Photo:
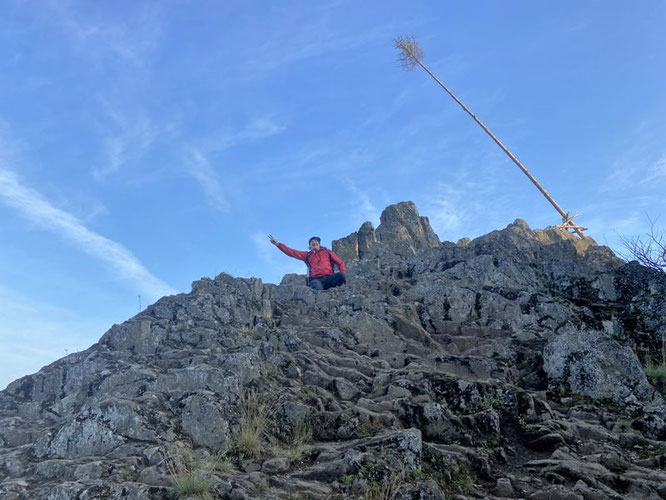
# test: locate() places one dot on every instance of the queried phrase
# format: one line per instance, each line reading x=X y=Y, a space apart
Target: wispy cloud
x=34 y=207
x=288 y=48
x=445 y=209
x=280 y=263
x=640 y=161
x=362 y=208
x=126 y=141
x=258 y=128
x=199 y=167
x=606 y=223
x=656 y=171
x=265 y=249
x=130 y=41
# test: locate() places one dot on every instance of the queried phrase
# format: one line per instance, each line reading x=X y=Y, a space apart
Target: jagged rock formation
x=509 y=366
x=401 y=231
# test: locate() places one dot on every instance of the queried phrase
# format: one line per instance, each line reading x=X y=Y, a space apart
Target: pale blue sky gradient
x=144 y=145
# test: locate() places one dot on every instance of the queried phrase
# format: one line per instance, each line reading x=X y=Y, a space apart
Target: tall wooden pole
x=412 y=54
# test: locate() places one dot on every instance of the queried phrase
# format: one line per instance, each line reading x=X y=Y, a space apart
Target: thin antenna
x=139 y=302
x=411 y=54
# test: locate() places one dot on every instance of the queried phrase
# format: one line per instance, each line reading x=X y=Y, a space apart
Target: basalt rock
x=507 y=366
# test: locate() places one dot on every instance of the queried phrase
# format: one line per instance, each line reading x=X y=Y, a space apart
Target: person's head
x=314 y=243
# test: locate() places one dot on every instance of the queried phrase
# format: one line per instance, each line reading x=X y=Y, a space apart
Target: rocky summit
x=508 y=366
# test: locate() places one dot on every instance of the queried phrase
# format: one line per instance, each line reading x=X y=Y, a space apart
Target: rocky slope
x=509 y=366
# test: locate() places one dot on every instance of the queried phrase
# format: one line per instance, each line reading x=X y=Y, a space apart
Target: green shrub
x=296 y=442
x=186 y=474
x=193 y=484
x=370 y=427
x=461 y=480
x=656 y=374
x=387 y=489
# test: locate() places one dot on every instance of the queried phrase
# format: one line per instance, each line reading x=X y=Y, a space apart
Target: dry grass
x=388 y=488
x=187 y=477
x=255 y=413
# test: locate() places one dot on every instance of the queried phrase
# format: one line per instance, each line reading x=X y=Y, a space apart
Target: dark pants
x=326 y=282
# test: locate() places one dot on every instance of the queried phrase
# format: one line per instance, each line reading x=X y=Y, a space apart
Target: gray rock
x=438 y=366
x=275 y=466
x=204 y=422
x=504 y=488
x=595 y=365
x=556 y=493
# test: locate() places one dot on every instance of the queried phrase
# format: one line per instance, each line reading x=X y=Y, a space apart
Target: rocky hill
x=509 y=366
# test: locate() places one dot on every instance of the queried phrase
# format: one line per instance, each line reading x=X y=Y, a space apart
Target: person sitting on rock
x=320 y=262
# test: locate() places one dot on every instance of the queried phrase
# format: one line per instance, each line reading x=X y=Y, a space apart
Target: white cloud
x=281 y=48
x=201 y=170
x=445 y=209
x=638 y=161
x=34 y=207
x=199 y=166
x=94 y=35
x=656 y=171
x=361 y=207
x=129 y=139
x=258 y=128
x=264 y=247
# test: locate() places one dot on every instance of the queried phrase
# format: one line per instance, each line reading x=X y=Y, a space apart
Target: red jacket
x=320 y=264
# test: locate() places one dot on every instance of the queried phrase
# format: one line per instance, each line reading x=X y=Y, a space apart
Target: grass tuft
x=187 y=477
x=248 y=443
x=388 y=488
x=656 y=374
x=193 y=485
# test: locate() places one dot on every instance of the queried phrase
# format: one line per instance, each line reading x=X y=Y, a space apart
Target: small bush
x=461 y=480
x=193 y=484
x=370 y=427
x=656 y=374
x=624 y=424
x=295 y=448
x=490 y=401
x=187 y=477
x=387 y=489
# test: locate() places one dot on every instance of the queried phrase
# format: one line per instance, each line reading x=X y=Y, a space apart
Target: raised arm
x=296 y=254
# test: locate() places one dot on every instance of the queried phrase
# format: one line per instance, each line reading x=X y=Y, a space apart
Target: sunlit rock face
x=401 y=231
x=511 y=366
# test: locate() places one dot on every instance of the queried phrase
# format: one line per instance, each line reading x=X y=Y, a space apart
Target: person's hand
x=272 y=240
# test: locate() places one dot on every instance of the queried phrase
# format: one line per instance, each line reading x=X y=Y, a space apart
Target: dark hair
x=314 y=238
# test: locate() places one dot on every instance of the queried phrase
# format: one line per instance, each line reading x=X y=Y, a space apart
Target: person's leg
x=333 y=280
x=316 y=284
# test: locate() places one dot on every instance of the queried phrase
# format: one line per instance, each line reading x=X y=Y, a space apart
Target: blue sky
x=144 y=145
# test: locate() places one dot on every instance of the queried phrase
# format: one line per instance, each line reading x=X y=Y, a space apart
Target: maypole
x=411 y=54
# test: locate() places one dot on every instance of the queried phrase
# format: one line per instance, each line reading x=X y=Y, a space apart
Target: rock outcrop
x=401 y=231
x=509 y=366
